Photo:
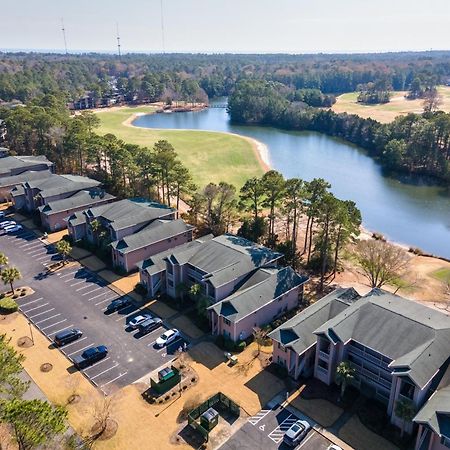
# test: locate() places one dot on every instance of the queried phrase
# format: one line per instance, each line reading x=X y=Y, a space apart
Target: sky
x=218 y=26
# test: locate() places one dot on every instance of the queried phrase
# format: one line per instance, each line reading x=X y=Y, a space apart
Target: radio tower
x=162 y=28
x=118 y=41
x=64 y=34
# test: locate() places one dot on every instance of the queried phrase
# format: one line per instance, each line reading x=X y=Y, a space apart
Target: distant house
x=7 y=184
x=117 y=220
x=34 y=193
x=15 y=165
x=265 y=295
x=218 y=265
x=160 y=235
x=54 y=214
x=398 y=348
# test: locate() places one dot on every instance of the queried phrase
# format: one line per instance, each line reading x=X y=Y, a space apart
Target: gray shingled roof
x=9 y=163
x=157 y=263
x=157 y=231
x=81 y=199
x=436 y=412
x=28 y=175
x=125 y=213
x=228 y=257
x=298 y=332
x=76 y=218
x=261 y=288
x=413 y=335
x=61 y=184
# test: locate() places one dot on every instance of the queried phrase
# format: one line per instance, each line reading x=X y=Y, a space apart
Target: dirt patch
x=57 y=236
x=79 y=253
x=46 y=367
x=186 y=326
x=5 y=319
x=93 y=263
x=161 y=309
x=103 y=433
x=24 y=342
x=322 y=411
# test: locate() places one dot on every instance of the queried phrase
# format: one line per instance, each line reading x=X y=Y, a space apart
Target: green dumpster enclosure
x=209 y=419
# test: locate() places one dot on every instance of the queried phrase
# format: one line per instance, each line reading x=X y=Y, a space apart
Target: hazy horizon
x=227 y=26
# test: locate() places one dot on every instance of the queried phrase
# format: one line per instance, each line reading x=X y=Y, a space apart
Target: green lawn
x=210 y=156
x=387 y=112
x=442 y=275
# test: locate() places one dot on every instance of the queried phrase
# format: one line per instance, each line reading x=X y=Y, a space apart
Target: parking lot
x=75 y=297
x=266 y=430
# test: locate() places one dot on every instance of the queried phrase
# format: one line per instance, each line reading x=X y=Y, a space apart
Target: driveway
x=77 y=297
x=266 y=430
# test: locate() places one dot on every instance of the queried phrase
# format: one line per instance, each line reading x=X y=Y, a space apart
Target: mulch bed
x=107 y=433
x=46 y=367
x=24 y=342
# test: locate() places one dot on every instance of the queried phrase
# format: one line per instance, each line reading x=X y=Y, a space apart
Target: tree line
x=25 y=76
x=413 y=143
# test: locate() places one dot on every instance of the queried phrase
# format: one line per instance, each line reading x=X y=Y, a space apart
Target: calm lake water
x=404 y=209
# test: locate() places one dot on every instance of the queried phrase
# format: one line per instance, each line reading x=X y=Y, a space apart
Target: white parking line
x=40 y=314
x=48 y=318
x=151 y=343
x=311 y=434
x=107 y=370
x=93 y=290
x=97 y=363
x=277 y=434
x=53 y=324
x=36 y=251
x=80 y=349
x=36 y=307
x=79 y=282
x=84 y=287
x=33 y=301
x=99 y=295
x=70 y=273
x=57 y=331
x=30 y=244
x=114 y=379
x=259 y=416
x=109 y=299
x=41 y=258
x=74 y=342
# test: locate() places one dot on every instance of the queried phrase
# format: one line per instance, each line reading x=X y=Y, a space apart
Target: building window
x=226 y=321
x=170 y=268
x=171 y=283
x=322 y=364
x=407 y=389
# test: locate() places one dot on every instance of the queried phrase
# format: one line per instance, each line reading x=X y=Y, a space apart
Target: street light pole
x=31 y=332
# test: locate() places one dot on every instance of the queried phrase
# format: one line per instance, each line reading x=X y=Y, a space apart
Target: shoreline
x=260 y=150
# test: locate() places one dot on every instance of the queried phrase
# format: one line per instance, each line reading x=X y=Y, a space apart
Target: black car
x=117 y=304
x=149 y=325
x=66 y=336
x=90 y=356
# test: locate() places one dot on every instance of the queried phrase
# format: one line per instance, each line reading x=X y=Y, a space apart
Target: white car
x=334 y=447
x=6 y=223
x=296 y=433
x=134 y=323
x=13 y=228
x=168 y=337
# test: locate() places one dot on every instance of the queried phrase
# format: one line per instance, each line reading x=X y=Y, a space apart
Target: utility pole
x=118 y=40
x=64 y=34
x=162 y=28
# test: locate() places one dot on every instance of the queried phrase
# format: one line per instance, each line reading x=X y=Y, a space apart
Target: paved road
x=265 y=430
x=77 y=297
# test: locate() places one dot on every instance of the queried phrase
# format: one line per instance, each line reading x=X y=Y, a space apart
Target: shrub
x=140 y=289
x=378 y=237
x=8 y=305
x=240 y=347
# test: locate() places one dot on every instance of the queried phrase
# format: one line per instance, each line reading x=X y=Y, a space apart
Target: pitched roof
x=157 y=263
x=12 y=163
x=77 y=218
x=60 y=184
x=28 y=175
x=128 y=212
x=78 y=200
x=414 y=336
x=227 y=257
x=157 y=231
x=260 y=289
x=298 y=332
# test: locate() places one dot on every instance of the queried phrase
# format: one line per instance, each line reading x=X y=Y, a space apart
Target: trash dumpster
x=209 y=419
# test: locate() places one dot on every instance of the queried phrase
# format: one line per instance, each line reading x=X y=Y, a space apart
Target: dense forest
x=413 y=143
x=24 y=76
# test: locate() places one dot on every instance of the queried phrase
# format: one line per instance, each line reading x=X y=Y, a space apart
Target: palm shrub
x=8 y=305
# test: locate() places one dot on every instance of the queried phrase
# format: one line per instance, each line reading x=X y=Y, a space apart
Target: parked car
x=167 y=337
x=296 y=433
x=6 y=223
x=90 y=356
x=117 y=304
x=66 y=336
x=334 y=447
x=150 y=325
x=13 y=228
x=134 y=323
x=2 y=214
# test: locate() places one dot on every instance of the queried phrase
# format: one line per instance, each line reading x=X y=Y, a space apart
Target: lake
x=405 y=209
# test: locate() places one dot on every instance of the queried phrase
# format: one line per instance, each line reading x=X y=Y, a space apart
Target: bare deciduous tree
x=382 y=263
